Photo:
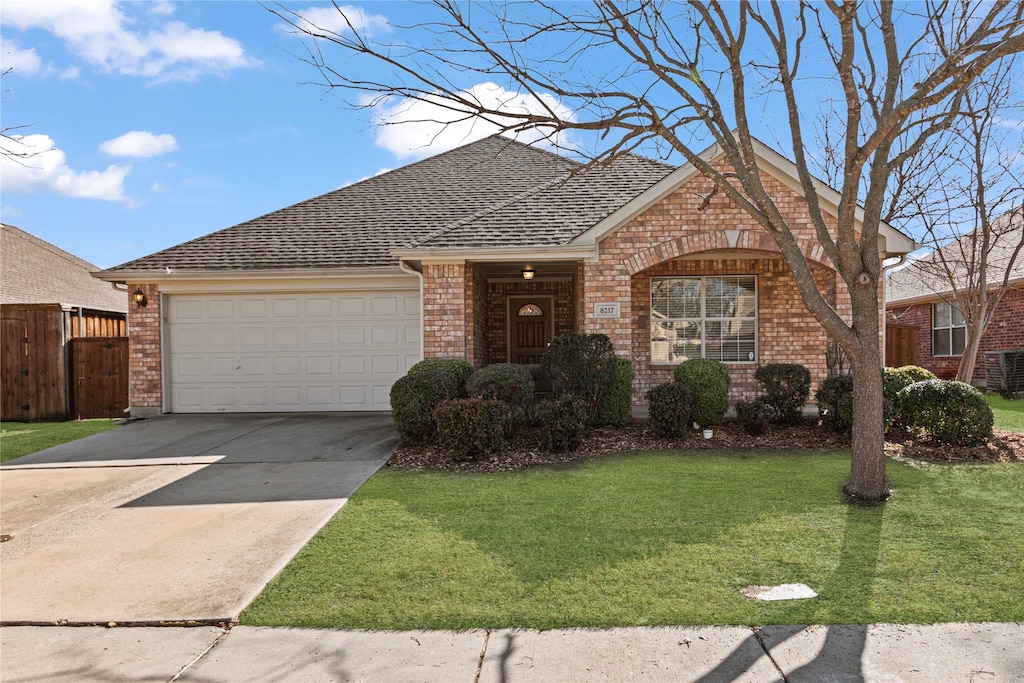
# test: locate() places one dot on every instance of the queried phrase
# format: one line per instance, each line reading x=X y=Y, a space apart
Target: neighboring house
x=482 y=253
x=924 y=325
x=48 y=298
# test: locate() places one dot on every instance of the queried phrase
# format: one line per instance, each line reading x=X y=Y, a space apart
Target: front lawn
x=1009 y=414
x=660 y=538
x=21 y=438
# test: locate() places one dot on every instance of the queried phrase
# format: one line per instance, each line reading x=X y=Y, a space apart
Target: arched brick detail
x=716 y=240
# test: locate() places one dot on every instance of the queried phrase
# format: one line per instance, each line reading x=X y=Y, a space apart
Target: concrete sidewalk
x=993 y=653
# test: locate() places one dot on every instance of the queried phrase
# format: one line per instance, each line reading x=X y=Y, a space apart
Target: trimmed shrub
x=541 y=381
x=471 y=428
x=894 y=380
x=506 y=382
x=786 y=387
x=835 y=403
x=581 y=365
x=414 y=398
x=563 y=423
x=671 y=409
x=461 y=369
x=947 y=410
x=617 y=397
x=753 y=416
x=708 y=382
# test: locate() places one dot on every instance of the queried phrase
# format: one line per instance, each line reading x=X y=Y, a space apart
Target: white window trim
x=949 y=329
x=703 y=317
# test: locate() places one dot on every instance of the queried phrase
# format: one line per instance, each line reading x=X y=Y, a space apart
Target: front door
x=530 y=328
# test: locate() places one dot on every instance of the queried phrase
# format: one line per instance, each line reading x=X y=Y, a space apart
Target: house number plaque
x=608 y=310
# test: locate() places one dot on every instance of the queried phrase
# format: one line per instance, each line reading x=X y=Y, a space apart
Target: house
x=484 y=253
x=49 y=301
x=924 y=325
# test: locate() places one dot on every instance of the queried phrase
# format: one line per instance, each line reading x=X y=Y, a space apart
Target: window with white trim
x=949 y=332
x=704 y=317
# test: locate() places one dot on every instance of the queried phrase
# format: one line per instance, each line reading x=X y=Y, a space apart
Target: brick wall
x=445 y=290
x=1006 y=331
x=145 y=391
x=478 y=317
x=663 y=239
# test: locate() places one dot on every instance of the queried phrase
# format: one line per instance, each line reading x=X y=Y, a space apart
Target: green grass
x=1009 y=414
x=21 y=438
x=659 y=539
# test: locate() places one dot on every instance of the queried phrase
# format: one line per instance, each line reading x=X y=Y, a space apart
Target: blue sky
x=165 y=121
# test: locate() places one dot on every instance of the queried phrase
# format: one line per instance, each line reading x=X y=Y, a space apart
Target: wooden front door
x=530 y=328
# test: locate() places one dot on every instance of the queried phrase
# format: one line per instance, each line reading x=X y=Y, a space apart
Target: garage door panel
x=317 y=351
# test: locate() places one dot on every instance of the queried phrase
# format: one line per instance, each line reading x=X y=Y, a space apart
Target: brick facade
x=1006 y=331
x=673 y=237
x=145 y=388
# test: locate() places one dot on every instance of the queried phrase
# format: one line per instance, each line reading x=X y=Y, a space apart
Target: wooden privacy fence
x=99 y=377
x=46 y=375
x=901 y=345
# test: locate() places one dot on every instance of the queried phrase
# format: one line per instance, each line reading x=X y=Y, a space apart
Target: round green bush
x=948 y=411
x=414 y=398
x=617 y=397
x=471 y=428
x=670 y=409
x=506 y=382
x=895 y=380
x=835 y=403
x=786 y=387
x=458 y=367
x=708 y=382
x=563 y=423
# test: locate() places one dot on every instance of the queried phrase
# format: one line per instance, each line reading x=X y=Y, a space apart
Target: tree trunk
x=867 y=481
x=965 y=371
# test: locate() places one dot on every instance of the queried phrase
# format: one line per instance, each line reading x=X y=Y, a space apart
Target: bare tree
x=11 y=146
x=677 y=77
x=968 y=195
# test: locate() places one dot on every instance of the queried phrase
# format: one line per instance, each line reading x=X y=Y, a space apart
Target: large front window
x=949 y=333
x=704 y=317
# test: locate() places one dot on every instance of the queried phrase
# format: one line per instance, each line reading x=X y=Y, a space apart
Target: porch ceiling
x=546 y=270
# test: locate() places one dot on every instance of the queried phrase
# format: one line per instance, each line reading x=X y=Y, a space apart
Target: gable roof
x=495 y=191
x=925 y=278
x=36 y=272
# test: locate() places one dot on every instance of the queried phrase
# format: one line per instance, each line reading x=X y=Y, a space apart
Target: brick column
x=145 y=386
x=445 y=311
x=608 y=283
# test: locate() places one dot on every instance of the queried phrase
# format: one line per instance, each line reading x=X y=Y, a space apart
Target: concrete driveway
x=176 y=518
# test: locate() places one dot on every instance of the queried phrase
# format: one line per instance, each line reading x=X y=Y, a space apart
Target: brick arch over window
x=716 y=240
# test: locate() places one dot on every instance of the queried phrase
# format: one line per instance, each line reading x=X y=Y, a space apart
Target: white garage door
x=289 y=352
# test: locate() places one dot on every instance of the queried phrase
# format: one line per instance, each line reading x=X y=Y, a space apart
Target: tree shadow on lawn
x=840 y=657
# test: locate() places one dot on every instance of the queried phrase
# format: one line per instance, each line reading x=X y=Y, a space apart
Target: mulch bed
x=527 y=449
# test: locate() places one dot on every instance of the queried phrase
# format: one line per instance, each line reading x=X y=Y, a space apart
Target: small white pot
x=708 y=433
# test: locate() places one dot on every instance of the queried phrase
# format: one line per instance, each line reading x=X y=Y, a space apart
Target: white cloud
x=99 y=32
x=139 y=144
x=421 y=128
x=326 y=20
x=33 y=163
x=21 y=61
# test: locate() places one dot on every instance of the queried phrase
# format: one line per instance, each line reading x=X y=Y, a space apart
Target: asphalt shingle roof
x=926 y=276
x=33 y=271
x=493 y=192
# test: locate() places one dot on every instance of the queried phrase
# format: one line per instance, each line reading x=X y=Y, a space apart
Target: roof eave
x=156 y=277
x=496 y=254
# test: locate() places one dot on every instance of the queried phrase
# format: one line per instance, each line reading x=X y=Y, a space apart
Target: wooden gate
x=33 y=375
x=901 y=345
x=99 y=377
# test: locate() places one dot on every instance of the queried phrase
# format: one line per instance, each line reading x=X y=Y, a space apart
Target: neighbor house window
x=704 y=317
x=949 y=333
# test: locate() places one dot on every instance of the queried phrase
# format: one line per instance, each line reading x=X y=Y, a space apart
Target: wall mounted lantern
x=139 y=297
x=528 y=273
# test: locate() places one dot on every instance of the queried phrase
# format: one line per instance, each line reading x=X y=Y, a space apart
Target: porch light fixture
x=139 y=297
x=528 y=273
